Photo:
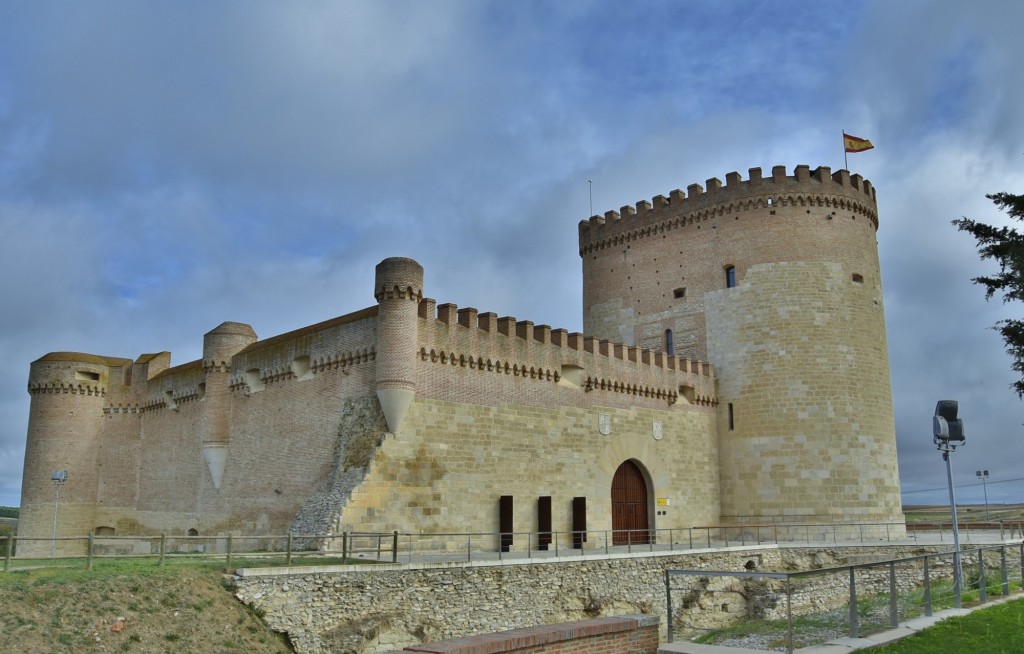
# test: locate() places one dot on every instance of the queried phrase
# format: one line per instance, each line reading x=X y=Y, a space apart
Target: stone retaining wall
x=380 y=608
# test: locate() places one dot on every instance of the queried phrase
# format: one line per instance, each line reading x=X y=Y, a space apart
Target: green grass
x=872 y=616
x=995 y=630
x=169 y=609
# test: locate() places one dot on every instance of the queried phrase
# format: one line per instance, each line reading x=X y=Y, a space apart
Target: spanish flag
x=855 y=143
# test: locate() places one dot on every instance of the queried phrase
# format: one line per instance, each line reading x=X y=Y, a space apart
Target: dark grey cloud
x=167 y=167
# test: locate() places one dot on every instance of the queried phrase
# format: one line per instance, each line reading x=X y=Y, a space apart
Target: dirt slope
x=153 y=611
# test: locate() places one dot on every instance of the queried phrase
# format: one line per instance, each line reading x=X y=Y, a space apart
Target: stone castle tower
x=775 y=281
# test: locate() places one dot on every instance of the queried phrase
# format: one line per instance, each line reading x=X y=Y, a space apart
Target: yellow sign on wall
x=664 y=501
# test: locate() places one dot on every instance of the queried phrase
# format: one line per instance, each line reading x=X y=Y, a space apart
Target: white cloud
x=166 y=168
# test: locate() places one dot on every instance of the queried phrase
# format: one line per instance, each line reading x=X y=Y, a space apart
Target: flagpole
x=846 y=157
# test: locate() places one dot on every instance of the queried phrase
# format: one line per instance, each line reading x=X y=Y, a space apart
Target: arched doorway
x=629 y=505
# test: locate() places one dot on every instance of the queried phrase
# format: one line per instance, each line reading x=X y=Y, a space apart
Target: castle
x=733 y=367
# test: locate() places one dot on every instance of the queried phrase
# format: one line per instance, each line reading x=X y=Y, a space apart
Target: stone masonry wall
x=452 y=461
x=805 y=372
x=363 y=609
x=796 y=332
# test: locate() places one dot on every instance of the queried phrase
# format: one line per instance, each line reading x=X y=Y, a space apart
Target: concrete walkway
x=841 y=645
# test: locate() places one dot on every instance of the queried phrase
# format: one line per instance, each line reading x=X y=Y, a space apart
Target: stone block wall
x=380 y=608
x=775 y=280
x=364 y=609
x=452 y=461
x=804 y=371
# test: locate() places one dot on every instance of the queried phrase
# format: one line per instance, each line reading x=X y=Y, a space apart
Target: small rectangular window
x=730 y=276
x=732 y=423
x=858 y=278
x=679 y=293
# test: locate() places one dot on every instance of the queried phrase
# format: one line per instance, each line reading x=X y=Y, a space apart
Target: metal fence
x=762 y=610
x=287 y=550
x=406 y=547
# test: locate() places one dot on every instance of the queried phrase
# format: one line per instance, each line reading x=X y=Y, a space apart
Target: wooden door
x=629 y=506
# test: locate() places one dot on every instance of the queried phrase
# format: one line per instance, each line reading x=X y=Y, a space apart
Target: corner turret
x=65 y=429
x=219 y=345
x=398 y=288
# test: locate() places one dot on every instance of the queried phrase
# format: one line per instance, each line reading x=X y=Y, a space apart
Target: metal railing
x=879 y=594
x=287 y=550
x=408 y=547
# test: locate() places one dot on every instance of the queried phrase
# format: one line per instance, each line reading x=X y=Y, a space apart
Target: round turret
x=214 y=426
x=227 y=340
x=65 y=427
x=398 y=288
x=776 y=282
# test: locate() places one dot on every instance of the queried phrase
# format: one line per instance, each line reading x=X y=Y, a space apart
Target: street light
x=947 y=433
x=983 y=475
x=58 y=477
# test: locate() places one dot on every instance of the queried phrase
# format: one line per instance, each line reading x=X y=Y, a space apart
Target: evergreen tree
x=1006 y=246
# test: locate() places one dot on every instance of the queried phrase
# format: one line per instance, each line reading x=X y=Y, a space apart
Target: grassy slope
x=996 y=630
x=173 y=609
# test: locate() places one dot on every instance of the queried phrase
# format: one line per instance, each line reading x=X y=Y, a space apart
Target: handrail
x=398 y=546
x=926 y=579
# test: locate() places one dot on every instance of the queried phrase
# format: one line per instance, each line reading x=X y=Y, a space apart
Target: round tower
x=219 y=345
x=65 y=431
x=775 y=281
x=398 y=288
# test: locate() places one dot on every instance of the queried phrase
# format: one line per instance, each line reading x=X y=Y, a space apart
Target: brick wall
x=613 y=635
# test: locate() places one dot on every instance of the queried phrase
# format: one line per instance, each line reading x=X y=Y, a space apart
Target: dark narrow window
x=732 y=423
x=543 y=522
x=679 y=293
x=579 y=522
x=730 y=276
x=669 y=345
x=505 y=522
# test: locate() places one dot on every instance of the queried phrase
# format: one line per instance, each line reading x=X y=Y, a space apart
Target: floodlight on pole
x=983 y=476
x=947 y=434
x=58 y=477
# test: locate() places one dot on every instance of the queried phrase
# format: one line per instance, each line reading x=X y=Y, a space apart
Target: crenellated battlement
x=484 y=342
x=286 y=370
x=489 y=325
x=805 y=188
x=65 y=388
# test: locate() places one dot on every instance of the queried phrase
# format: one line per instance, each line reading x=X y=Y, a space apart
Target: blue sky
x=167 y=167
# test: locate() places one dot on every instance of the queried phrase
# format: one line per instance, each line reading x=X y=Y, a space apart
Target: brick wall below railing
x=633 y=634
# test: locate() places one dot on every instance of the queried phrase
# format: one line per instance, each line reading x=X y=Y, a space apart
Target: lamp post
x=947 y=433
x=983 y=476
x=58 y=477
